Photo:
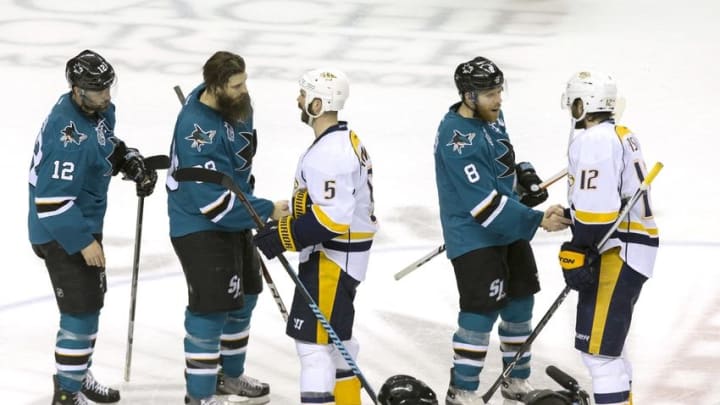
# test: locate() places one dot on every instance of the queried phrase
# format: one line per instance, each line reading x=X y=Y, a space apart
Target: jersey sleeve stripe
x=217 y=209
x=486 y=204
x=495 y=212
x=348 y=246
x=489 y=208
x=638 y=239
x=327 y=222
x=637 y=227
x=49 y=209
x=356 y=236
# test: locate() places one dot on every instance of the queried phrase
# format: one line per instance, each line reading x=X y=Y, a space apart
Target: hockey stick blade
x=157 y=162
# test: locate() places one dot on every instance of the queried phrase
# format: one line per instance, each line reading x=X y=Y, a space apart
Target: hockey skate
x=255 y=391
x=456 y=396
x=61 y=397
x=515 y=388
x=97 y=392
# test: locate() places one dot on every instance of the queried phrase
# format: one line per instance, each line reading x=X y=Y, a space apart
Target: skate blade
x=233 y=399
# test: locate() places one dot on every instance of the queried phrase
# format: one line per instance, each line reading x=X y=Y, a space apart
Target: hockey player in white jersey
x=332 y=226
x=605 y=168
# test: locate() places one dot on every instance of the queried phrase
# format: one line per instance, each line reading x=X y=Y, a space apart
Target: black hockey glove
x=133 y=165
x=580 y=266
x=276 y=237
x=529 y=185
x=145 y=187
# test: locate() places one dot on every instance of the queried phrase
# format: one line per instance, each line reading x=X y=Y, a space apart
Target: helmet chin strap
x=573 y=124
x=311 y=116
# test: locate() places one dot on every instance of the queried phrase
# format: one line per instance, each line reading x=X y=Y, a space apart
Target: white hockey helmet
x=598 y=91
x=329 y=85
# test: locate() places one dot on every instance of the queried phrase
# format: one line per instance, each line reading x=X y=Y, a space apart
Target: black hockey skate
x=97 y=392
x=61 y=397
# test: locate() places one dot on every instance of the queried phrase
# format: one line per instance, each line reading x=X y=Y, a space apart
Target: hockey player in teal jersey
x=75 y=155
x=210 y=231
x=605 y=167
x=487 y=222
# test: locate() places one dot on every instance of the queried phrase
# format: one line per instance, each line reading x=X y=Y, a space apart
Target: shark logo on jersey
x=199 y=137
x=245 y=154
x=230 y=132
x=460 y=140
x=507 y=159
x=70 y=134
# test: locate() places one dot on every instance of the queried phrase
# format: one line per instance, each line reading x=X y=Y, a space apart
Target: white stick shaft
x=409 y=269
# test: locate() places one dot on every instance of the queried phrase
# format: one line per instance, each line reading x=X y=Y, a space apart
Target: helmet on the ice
x=406 y=390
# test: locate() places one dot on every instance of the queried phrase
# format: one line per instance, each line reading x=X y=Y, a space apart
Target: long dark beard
x=234 y=109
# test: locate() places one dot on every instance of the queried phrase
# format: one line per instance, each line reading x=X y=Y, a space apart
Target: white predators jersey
x=337 y=173
x=605 y=169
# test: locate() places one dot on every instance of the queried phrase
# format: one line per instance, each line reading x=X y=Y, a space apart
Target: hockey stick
x=559 y=300
x=414 y=265
x=156 y=162
x=213 y=176
x=266 y=274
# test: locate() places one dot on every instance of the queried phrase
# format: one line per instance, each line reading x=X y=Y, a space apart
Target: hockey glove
x=301 y=202
x=276 y=237
x=145 y=187
x=133 y=165
x=531 y=194
x=580 y=266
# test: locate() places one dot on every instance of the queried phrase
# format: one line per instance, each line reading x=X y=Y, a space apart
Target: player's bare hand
x=282 y=209
x=93 y=254
x=554 y=219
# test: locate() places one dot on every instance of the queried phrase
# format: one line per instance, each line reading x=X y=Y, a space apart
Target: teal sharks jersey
x=70 y=175
x=475 y=177
x=202 y=138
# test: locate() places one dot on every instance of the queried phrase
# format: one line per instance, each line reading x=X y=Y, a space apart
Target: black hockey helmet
x=546 y=397
x=88 y=70
x=406 y=390
x=478 y=74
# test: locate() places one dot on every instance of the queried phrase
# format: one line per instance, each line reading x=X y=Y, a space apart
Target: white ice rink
x=400 y=56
